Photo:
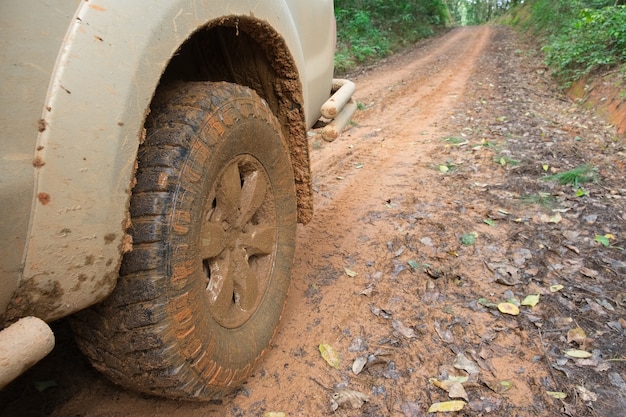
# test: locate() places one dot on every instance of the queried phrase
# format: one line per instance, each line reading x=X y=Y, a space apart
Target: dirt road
x=421 y=229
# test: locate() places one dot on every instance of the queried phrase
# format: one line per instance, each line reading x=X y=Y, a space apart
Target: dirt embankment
x=434 y=208
x=606 y=95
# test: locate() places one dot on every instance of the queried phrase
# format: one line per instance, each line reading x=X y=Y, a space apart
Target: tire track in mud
x=372 y=172
x=402 y=116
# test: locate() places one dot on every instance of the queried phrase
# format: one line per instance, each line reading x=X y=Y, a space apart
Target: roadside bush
x=592 y=40
x=359 y=39
x=372 y=29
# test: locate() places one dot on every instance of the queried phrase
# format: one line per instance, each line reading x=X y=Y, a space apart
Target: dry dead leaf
x=505 y=274
x=367 y=291
x=585 y=394
x=589 y=272
x=571 y=235
x=405 y=331
x=498 y=386
x=346 y=397
x=463 y=362
x=358 y=364
x=453 y=387
x=577 y=335
x=587 y=362
x=597 y=308
x=444 y=334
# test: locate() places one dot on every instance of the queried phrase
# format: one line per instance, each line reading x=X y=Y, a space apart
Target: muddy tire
x=213 y=224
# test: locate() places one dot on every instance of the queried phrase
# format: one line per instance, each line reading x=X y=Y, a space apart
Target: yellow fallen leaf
x=508 y=308
x=274 y=414
x=506 y=385
x=446 y=406
x=557 y=394
x=578 y=354
x=556 y=287
x=531 y=300
x=350 y=272
x=330 y=355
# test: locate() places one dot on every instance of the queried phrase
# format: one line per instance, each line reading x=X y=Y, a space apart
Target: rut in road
x=402 y=109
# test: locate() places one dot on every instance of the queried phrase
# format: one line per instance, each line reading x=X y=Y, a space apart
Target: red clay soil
x=432 y=209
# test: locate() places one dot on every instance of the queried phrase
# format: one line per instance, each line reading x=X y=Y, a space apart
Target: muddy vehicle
x=154 y=168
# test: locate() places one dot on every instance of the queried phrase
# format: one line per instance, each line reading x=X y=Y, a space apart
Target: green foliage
x=580 y=36
x=476 y=12
x=594 y=39
x=363 y=38
x=372 y=29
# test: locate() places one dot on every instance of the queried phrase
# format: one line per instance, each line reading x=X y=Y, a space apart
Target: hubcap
x=238 y=241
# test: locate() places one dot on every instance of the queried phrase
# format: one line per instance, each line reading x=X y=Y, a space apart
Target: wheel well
x=249 y=52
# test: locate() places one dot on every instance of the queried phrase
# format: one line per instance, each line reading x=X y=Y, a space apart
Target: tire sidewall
x=256 y=132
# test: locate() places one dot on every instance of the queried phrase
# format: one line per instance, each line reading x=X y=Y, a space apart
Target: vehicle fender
x=105 y=76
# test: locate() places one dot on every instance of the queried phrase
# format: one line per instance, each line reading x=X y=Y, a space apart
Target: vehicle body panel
x=69 y=149
x=26 y=64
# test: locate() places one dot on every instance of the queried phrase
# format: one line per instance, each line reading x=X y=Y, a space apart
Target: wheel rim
x=238 y=241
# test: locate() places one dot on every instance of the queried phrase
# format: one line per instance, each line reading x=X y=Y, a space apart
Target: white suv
x=154 y=166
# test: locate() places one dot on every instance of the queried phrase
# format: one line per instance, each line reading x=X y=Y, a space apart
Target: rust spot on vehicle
x=65 y=89
x=40 y=148
x=120 y=124
x=41 y=125
x=89 y=260
x=99 y=38
x=38 y=162
x=109 y=238
x=44 y=198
